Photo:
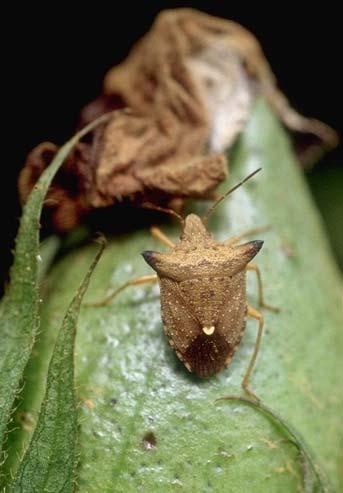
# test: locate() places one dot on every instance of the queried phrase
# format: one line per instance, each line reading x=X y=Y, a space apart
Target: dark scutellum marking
x=207 y=354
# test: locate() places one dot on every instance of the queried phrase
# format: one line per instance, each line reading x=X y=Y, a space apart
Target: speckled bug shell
x=203 y=297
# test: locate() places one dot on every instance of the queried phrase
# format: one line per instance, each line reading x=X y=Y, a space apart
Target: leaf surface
x=147 y=424
x=49 y=463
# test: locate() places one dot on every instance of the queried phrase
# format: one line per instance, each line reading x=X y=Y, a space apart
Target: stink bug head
x=194 y=231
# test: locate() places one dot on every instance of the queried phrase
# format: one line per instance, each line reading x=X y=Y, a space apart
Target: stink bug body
x=203 y=294
x=202 y=285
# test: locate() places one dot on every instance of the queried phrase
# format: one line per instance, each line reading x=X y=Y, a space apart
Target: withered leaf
x=190 y=83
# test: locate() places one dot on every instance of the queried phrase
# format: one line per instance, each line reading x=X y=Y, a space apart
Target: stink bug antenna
x=222 y=197
x=166 y=210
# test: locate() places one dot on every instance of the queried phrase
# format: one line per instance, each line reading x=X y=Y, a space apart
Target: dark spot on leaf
x=149 y=441
x=113 y=401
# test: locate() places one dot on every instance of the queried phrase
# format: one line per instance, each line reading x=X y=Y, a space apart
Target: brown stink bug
x=203 y=293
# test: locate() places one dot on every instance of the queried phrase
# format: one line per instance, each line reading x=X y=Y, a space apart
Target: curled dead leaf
x=190 y=83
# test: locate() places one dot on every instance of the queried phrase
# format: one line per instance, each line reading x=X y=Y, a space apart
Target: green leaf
x=326 y=185
x=48 y=251
x=19 y=319
x=50 y=461
x=146 y=423
x=314 y=479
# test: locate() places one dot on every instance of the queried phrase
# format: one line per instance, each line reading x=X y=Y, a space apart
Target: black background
x=54 y=61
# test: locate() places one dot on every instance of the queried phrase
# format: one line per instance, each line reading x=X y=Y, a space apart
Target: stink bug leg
x=261 y=302
x=132 y=282
x=250 y=232
x=160 y=236
x=253 y=267
x=251 y=312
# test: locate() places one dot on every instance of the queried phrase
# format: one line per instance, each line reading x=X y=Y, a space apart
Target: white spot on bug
x=209 y=330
